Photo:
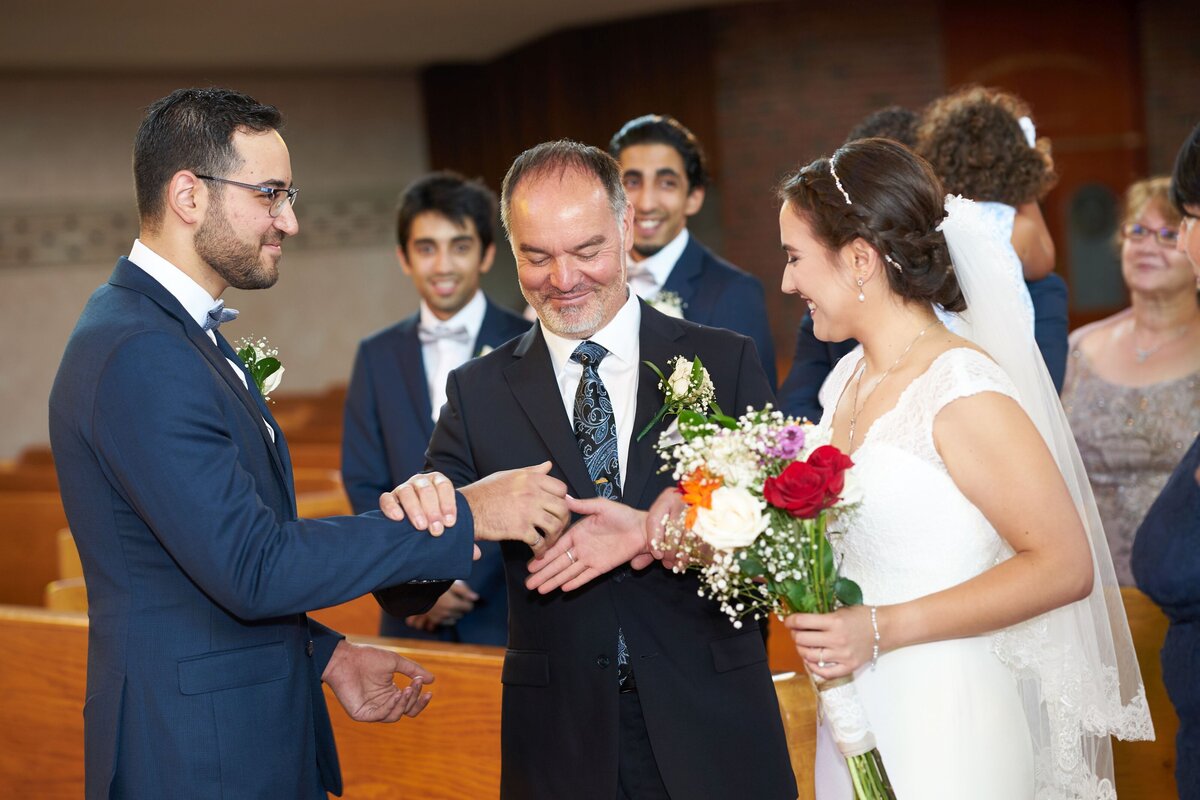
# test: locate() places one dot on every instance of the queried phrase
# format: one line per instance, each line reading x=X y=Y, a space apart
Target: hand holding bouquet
x=760 y=503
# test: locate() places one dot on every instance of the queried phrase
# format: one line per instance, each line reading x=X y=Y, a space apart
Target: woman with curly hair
x=981 y=143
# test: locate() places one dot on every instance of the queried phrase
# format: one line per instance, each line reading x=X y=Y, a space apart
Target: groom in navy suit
x=634 y=686
x=665 y=176
x=445 y=231
x=204 y=674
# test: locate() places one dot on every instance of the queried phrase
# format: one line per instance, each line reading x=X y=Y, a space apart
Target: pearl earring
x=862 y=298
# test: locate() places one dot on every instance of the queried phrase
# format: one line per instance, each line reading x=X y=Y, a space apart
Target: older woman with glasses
x=1166 y=555
x=1132 y=391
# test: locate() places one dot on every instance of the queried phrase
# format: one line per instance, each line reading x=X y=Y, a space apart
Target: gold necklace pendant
x=855 y=410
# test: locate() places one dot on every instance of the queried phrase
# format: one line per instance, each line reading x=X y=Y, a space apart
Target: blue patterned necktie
x=596 y=432
x=219 y=314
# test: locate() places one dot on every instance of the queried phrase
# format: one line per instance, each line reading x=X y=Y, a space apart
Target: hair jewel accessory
x=838 y=180
x=893 y=262
x=1030 y=132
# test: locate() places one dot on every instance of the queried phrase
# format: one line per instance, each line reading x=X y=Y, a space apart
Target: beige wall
x=67 y=212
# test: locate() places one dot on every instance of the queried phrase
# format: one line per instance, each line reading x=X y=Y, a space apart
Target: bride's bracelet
x=875 y=646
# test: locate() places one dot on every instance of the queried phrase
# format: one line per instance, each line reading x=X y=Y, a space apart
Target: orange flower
x=697 y=489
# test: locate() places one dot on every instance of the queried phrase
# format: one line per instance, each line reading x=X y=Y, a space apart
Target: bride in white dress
x=988 y=661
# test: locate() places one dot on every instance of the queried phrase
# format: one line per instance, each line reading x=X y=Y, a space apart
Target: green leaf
x=246 y=354
x=799 y=596
x=724 y=421
x=267 y=367
x=691 y=424
x=847 y=592
x=751 y=565
x=697 y=376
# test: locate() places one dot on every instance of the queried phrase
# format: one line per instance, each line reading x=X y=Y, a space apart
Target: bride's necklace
x=1141 y=355
x=855 y=409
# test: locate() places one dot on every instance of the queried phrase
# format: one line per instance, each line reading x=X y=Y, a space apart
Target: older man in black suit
x=632 y=686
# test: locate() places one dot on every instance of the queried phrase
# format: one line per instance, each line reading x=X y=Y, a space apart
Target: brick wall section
x=1170 y=45
x=791 y=80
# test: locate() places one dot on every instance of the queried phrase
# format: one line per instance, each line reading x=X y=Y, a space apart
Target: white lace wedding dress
x=947 y=716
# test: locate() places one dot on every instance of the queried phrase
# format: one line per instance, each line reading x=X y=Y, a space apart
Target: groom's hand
x=427 y=500
x=525 y=505
x=608 y=535
x=362 y=679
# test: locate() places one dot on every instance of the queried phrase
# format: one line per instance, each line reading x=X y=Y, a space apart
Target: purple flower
x=789 y=442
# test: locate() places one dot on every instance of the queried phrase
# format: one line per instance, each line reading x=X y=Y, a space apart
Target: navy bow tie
x=219 y=314
x=429 y=334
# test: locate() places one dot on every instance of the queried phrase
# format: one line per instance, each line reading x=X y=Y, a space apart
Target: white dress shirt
x=194 y=298
x=621 y=337
x=443 y=355
x=646 y=277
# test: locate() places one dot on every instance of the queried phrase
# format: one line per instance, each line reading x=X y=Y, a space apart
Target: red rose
x=832 y=463
x=799 y=489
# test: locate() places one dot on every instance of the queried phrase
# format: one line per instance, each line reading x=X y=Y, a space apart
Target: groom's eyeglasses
x=279 y=197
x=1167 y=237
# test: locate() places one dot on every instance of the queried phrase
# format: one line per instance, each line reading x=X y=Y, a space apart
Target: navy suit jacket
x=717 y=293
x=387 y=428
x=204 y=674
x=696 y=674
x=814 y=359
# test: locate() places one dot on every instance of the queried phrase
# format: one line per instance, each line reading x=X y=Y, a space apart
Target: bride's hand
x=836 y=644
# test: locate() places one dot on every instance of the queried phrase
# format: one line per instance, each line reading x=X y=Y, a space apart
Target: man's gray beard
x=235 y=261
x=577 y=323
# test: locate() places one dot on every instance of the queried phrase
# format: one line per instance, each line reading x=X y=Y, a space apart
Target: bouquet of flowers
x=760 y=505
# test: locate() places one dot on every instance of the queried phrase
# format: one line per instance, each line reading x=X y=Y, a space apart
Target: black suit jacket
x=705 y=688
x=388 y=423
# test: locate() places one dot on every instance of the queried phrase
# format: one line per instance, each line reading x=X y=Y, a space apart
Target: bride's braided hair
x=881 y=192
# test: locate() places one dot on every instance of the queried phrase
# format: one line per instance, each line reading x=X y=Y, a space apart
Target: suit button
x=308 y=648
x=602 y=661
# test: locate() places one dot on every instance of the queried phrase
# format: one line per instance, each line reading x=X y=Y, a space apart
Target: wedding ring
x=570 y=556
x=821 y=659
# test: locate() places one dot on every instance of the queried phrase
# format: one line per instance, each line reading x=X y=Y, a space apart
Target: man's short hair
x=560 y=157
x=893 y=122
x=454 y=197
x=1185 y=178
x=192 y=129
x=662 y=129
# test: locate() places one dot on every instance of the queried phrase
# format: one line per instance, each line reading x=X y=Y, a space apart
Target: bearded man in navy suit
x=445 y=242
x=204 y=674
x=633 y=686
x=665 y=177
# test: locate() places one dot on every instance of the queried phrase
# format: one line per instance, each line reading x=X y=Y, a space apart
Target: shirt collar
x=469 y=316
x=620 y=337
x=196 y=300
x=661 y=263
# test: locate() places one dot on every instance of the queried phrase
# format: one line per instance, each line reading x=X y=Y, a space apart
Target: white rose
x=735 y=519
x=669 y=308
x=271 y=382
x=681 y=379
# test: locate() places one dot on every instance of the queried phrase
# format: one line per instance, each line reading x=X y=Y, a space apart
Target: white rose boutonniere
x=688 y=389
x=262 y=362
x=668 y=303
x=483 y=351
x=735 y=519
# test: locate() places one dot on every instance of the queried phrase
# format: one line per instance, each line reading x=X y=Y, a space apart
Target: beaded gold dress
x=1131 y=438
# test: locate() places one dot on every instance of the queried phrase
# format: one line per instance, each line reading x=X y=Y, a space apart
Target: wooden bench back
x=29 y=526
x=450 y=751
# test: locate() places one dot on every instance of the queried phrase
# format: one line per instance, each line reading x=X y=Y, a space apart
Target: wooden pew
x=29 y=526
x=450 y=751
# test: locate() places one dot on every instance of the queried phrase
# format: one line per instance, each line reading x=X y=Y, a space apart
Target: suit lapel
x=531 y=379
x=686 y=272
x=412 y=371
x=128 y=275
x=659 y=342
